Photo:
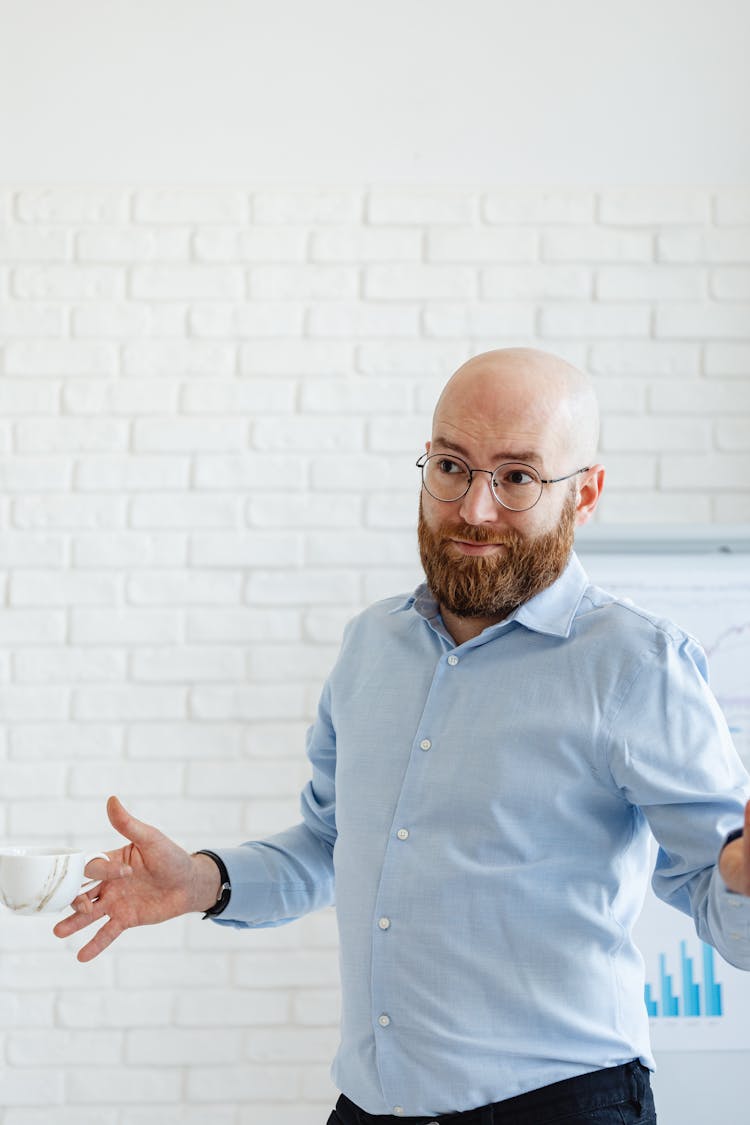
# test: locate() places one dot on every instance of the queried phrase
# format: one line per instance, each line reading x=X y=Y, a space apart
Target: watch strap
x=225 y=890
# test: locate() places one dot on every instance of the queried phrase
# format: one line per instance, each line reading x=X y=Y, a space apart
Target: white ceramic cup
x=42 y=880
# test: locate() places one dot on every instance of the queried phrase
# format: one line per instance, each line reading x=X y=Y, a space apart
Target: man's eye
x=448 y=466
x=516 y=477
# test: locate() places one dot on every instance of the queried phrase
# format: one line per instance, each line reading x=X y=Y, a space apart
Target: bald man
x=488 y=756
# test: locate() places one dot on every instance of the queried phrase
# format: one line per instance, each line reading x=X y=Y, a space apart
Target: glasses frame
x=422 y=461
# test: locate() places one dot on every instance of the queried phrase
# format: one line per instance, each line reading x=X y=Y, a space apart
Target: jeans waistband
x=597 y=1088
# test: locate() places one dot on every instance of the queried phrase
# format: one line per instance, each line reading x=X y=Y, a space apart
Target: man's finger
x=83 y=916
x=99 y=869
x=101 y=940
x=84 y=904
x=746 y=849
x=128 y=826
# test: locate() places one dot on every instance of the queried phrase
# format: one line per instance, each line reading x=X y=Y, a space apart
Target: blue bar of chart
x=696 y=999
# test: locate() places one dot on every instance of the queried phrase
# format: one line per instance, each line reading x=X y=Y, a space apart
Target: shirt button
x=398 y=1110
x=452 y=660
x=384 y=923
x=425 y=744
x=403 y=833
x=384 y=1020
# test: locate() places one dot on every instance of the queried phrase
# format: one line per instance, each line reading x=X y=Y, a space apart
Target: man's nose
x=479 y=504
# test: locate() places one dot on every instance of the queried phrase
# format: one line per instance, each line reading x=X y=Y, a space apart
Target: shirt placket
x=390 y=1021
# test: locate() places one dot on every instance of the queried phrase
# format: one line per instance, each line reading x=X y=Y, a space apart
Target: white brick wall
x=210 y=406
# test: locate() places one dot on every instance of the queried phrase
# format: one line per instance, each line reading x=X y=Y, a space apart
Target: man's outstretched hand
x=150 y=880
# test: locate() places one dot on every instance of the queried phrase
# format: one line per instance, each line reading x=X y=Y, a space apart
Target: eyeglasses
x=515 y=485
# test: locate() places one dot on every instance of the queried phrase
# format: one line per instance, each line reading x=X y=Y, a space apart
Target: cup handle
x=95 y=855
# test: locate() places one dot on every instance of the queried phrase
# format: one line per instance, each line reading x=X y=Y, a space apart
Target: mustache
x=479 y=534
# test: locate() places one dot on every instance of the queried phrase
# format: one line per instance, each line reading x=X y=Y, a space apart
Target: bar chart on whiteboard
x=696 y=1001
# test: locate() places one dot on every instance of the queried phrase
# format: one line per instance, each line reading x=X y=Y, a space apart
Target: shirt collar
x=552 y=611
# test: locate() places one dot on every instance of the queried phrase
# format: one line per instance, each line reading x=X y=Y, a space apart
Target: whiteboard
x=700 y=579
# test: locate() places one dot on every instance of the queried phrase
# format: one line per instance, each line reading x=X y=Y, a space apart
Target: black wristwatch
x=225 y=890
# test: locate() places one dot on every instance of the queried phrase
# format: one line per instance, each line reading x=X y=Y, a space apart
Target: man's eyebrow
x=528 y=456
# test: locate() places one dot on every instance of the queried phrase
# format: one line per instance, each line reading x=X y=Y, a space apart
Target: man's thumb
x=127 y=825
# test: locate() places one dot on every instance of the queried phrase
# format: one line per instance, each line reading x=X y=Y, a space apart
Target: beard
x=494 y=585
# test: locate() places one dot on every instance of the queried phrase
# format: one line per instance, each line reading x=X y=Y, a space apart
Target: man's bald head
x=525 y=389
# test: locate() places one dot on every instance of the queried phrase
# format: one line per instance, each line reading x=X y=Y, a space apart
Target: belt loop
x=638 y=1084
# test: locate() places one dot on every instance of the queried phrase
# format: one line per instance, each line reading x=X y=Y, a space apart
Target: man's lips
x=467 y=547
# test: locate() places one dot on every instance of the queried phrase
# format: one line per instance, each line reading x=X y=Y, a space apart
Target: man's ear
x=589 y=493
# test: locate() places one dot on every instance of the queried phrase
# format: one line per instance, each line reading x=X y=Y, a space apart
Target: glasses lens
x=517 y=486
x=445 y=478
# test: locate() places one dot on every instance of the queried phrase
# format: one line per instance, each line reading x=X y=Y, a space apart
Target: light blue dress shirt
x=483 y=812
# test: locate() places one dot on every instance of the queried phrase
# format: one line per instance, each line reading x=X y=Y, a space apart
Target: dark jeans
x=619 y=1095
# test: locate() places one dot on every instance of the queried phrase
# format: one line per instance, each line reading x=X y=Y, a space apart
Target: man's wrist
x=215 y=888
x=729 y=863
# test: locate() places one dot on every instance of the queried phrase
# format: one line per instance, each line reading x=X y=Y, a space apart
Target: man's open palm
x=149 y=880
